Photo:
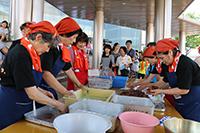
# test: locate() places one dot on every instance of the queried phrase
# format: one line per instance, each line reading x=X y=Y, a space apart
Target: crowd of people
x=28 y=72
x=124 y=60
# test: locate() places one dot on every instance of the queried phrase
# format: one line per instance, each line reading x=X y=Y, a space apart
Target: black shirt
x=131 y=53
x=188 y=73
x=164 y=71
x=18 y=69
x=49 y=59
x=14 y=43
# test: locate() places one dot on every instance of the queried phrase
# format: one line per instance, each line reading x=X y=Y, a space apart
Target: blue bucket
x=119 y=82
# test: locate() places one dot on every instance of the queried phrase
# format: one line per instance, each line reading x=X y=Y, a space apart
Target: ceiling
x=131 y=13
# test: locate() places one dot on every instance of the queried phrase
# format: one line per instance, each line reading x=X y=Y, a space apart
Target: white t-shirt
x=3 y=31
x=122 y=61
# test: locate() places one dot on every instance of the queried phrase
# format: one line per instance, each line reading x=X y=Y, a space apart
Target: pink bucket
x=137 y=122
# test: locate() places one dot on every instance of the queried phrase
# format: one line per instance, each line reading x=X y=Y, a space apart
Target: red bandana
x=78 y=62
x=66 y=56
x=34 y=56
x=67 y=25
x=172 y=68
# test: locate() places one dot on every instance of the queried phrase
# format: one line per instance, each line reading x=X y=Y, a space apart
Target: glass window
x=4 y=10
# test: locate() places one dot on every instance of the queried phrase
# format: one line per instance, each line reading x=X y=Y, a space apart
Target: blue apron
x=15 y=103
x=58 y=66
x=188 y=105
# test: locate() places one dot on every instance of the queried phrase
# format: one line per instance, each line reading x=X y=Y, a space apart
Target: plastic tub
x=137 y=104
x=119 y=82
x=97 y=94
x=138 y=122
x=104 y=82
x=81 y=123
x=104 y=109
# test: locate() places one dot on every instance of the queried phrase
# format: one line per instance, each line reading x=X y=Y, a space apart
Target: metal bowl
x=176 y=125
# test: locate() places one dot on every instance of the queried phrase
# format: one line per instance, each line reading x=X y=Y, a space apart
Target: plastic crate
x=97 y=94
x=138 y=104
x=104 y=82
x=104 y=109
x=93 y=72
x=119 y=82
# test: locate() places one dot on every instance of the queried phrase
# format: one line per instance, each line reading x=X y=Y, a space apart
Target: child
x=143 y=65
x=107 y=60
x=134 y=67
x=79 y=61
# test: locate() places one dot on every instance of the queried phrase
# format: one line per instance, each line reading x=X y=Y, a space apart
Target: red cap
x=67 y=25
x=165 y=45
x=148 y=52
x=43 y=26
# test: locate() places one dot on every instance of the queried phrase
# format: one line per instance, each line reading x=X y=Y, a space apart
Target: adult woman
x=116 y=54
x=3 y=37
x=183 y=78
x=4 y=31
x=157 y=70
x=123 y=62
x=58 y=58
x=79 y=61
x=21 y=73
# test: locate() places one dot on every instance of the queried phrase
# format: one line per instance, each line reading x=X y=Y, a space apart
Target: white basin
x=81 y=123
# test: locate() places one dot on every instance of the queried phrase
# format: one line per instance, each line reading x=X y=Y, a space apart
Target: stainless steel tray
x=44 y=116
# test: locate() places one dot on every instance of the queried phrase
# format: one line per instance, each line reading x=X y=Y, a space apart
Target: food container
x=104 y=109
x=81 y=123
x=93 y=72
x=98 y=94
x=137 y=104
x=44 y=116
x=137 y=122
x=132 y=92
x=104 y=82
x=119 y=82
x=177 y=125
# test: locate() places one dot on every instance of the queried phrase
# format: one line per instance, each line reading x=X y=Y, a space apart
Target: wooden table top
x=28 y=127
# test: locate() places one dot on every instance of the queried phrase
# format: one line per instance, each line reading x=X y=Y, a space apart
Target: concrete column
x=182 y=38
x=168 y=19
x=150 y=33
x=163 y=13
x=159 y=19
x=38 y=10
x=21 y=12
x=150 y=11
x=98 y=33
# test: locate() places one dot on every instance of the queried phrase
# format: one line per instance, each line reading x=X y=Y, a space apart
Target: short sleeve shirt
x=18 y=69
x=49 y=59
x=163 y=72
x=188 y=73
